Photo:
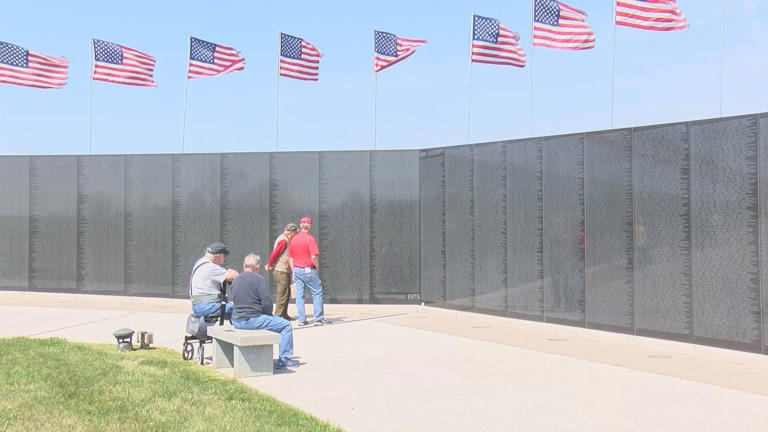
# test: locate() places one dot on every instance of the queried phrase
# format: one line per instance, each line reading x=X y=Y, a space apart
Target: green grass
x=55 y=385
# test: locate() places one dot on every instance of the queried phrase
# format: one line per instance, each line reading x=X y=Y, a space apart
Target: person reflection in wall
x=206 y=280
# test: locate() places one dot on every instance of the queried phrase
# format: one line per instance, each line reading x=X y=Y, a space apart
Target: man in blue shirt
x=253 y=309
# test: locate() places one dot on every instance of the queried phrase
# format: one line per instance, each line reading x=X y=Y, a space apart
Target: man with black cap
x=206 y=279
x=281 y=270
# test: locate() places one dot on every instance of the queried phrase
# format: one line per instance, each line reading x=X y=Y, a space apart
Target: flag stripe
x=298 y=69
x=658 y=15
x=18 y=76
x=499 y=62
x=383 y=62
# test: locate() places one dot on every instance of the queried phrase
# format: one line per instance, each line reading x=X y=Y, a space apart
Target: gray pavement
x=411 y=368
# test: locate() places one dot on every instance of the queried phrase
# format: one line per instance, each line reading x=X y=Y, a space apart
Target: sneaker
x=302 y=323
x=289 y=362
x=322 y=322
x=279 y=364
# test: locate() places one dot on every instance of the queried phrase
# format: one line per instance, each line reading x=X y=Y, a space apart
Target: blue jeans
x=211 y=308
x=308 y=276
x=273 y=324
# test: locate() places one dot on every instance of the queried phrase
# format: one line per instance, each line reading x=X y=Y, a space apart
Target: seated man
x=206 y=279
x=253 y=309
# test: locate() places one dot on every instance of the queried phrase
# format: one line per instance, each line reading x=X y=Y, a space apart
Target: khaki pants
x=283 y=292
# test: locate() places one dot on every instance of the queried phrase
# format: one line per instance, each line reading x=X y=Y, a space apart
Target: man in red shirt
x=305 y=264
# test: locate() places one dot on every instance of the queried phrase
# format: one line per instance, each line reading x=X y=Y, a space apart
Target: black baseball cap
x=217 y=248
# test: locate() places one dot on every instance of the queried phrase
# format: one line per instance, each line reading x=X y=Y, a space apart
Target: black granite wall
x=657 y=231
x=135 y=224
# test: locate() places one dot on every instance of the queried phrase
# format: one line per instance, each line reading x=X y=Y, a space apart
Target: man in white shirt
x=206 y=280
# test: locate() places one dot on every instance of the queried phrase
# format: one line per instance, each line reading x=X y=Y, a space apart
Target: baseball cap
x=291 y=227
x=306 y=220
x=217 y=248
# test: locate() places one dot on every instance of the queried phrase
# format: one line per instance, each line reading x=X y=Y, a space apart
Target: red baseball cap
x=306 y=220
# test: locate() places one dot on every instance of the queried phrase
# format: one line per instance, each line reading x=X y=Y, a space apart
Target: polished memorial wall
x=658 y=231
x=135 y=224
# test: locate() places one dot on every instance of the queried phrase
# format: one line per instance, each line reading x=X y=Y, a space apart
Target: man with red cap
x=305 y=264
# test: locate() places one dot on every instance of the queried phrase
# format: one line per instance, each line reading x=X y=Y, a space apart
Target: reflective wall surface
x=657 y=231
x=135 y=224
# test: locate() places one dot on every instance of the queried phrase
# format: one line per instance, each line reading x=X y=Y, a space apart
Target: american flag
x=389 y=49
x=659 y=15
x=557 y=25
x=210 y=59
x=122 y=65
x=299 y=59
x=495 y=44
x=20 y=66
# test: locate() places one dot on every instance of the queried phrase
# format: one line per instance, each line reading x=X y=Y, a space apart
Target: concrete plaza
x=413 y=368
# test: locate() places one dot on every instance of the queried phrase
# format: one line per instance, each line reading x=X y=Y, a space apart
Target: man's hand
x=231 y=274
x=268 y=267
x=316 y=262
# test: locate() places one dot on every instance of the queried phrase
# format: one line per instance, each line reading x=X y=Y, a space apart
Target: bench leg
x=223 y=354
x=253 y=361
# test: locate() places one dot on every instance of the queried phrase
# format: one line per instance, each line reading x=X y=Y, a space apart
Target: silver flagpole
x=90 y=102
x=375 y=94
x=722 y=48
x=186 y=88
x=277 y=101
x=613 y=61
x=469 y=104
x=530 y=61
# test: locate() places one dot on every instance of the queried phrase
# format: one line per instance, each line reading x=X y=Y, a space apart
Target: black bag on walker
x=196 y=326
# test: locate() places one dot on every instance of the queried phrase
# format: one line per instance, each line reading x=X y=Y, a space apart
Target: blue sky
x=660 y=77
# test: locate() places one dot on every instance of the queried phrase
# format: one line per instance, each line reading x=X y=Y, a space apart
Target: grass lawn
x=55 y=385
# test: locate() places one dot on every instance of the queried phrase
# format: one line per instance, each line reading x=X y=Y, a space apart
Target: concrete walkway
x=410 y=368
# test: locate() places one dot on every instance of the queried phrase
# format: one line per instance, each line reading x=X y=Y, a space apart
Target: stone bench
x=249 y=352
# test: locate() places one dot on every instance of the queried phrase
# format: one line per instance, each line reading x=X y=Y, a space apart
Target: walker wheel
x=188 y=352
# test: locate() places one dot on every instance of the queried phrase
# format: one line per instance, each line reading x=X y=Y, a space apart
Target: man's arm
x=279 y=249
x=314 y=251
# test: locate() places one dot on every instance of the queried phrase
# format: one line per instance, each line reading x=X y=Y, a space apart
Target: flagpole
x=375 y=94
x=277 y=101
x=533 y=15
x=90 y=102
x=722 y=48
x=186 y=88
x=613 y=61
x=469 y=107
